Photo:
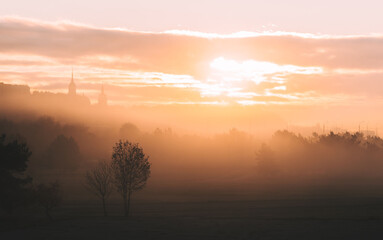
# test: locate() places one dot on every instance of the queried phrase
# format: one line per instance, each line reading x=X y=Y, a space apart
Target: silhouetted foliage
x=265 y=161
x=129 y=131
x=334 y=155
x=13 y=163
x=131 y=170
x=48 y=197
x=99 y=182
x=42 y=132
x=63 y=153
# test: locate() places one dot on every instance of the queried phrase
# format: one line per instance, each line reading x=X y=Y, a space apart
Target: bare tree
x=99 y=182
x=131 y=170
x=49 y=197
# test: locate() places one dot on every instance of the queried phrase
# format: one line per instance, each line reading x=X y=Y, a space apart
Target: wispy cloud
x=184 y=66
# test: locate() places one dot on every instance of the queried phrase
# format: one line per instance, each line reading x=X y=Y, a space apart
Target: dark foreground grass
x=273 y=219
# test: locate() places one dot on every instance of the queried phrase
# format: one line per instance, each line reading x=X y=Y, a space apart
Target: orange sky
x=217 y=16
x=160 y=66
x=189 y=67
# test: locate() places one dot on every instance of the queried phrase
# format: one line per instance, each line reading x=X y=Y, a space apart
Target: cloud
x=70 y=43
x=180 y=65
x=178 y=53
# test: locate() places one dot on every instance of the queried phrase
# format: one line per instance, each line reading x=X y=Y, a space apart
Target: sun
x=241 y=81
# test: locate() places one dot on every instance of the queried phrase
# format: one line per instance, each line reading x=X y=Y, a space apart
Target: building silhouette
x=72 y=87
x=102 y=99
x=14 y=90
x=21 y=95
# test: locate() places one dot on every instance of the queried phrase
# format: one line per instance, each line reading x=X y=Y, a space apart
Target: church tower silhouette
x=72 y=87
x=102 y=100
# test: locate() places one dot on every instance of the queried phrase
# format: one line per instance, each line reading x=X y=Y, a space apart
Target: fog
x=234 y=154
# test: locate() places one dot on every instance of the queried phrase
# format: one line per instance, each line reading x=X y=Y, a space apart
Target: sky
x=273 y=53
x=218 y=16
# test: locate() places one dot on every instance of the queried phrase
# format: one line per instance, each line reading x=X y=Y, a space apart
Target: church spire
x=102 y=99
x=72 y=86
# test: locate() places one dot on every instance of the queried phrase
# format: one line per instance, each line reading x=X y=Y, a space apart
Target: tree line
x=17 y=189
x=345 y=156
x=127 y=172
x=287 y=155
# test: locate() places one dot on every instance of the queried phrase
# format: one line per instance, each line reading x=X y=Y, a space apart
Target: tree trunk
x=128 y=203
x=126 y=212
x=104 y=207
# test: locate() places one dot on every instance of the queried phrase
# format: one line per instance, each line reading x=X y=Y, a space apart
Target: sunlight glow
x=228 y=81
x=257 y=71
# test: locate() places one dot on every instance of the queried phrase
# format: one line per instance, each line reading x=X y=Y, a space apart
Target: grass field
x=261 y=219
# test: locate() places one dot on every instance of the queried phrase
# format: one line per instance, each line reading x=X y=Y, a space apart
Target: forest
x=232 y=165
